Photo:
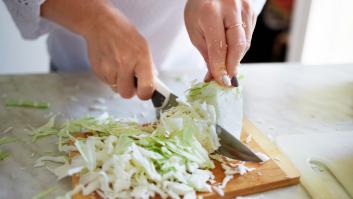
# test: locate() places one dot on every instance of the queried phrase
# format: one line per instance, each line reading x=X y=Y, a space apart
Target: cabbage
x=196 y=118
x=227 y=103
x=123 y=159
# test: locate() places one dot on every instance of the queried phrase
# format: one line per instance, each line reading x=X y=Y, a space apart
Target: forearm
x=78 y=16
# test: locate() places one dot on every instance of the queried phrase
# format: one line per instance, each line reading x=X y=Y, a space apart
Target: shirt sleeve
x=258 y=5
x=26 y=14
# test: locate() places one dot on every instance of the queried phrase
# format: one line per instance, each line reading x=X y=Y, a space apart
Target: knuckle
x=238 y=45
x=248 y=45
x=217 y=47
x=242 y=48
x=143 y=48
x=241 y=44
x=119 y=63
x=209 y=7
x=218 y=69
x=123 y=60
x=142 y=54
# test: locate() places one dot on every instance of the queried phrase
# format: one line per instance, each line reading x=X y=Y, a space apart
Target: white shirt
x=159 y=21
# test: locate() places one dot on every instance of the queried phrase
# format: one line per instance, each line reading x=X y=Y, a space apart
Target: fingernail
x=226 y=80
x=234 y=81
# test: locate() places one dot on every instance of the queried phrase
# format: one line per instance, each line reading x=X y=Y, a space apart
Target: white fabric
x=257 y=5
x=159 y=21
x=26 y=14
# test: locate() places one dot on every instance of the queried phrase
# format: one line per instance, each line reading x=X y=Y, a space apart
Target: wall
x=322 y=32
x=16 y=54
x=329 y=35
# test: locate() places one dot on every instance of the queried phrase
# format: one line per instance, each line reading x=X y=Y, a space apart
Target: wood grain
x=275 y=173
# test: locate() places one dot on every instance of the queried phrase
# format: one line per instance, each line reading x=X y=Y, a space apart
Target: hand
x=221 y=30
x=117 y=52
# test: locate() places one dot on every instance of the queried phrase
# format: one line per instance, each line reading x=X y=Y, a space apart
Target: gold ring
x=236 y=25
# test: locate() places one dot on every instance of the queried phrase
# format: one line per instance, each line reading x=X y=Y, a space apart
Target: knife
x=231 y=147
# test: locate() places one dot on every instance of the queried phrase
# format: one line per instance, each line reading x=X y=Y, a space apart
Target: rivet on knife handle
x=161 y=94
x=157 y=99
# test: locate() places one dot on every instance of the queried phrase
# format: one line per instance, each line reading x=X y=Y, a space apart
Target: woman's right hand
x=117 y=51
x=118 y=54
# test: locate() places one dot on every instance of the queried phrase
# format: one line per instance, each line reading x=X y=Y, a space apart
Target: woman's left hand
x=221 y=30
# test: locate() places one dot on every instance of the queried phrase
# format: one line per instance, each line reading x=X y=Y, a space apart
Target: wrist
x=79 y=16
x=94 y=19
x=108 y=19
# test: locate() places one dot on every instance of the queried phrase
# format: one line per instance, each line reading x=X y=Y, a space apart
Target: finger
x=251 y=30
x=109 y=73
x=236 y=40
x=200 y=44
x=247 y=18
x=125 y=82
x=208 y=77
x=115 y=87
x=145 y=79
x=254 y=20
x=198 y=40
x=213 y=30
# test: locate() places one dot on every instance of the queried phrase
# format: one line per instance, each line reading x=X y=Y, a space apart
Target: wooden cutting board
x=275 y=173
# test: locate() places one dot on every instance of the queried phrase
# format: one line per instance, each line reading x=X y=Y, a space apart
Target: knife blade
x=231 y=147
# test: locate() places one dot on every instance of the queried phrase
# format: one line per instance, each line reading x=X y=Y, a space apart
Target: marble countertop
x=279 y=99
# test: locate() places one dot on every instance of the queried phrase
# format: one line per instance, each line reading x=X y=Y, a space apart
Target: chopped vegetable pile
x=119 y=159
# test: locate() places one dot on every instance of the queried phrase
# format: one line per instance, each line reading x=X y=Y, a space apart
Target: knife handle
x=159 y=95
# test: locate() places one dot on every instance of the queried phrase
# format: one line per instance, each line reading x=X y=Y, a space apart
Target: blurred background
x=305 y=31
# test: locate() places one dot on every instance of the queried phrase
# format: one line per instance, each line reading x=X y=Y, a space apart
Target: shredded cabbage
x=120 y=159
x=44 y=194
x=3 y=155
x=45 y=130
x=5 y=140
x=26 y=104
